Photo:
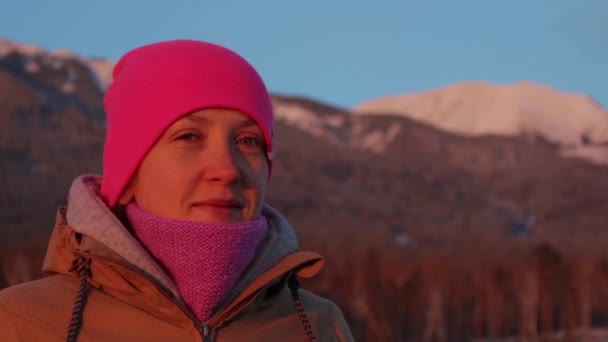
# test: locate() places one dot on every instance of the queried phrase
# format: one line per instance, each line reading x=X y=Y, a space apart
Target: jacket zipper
x=205 y=331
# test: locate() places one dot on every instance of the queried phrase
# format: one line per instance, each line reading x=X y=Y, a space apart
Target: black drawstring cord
x=81 y=266
x=294 y=286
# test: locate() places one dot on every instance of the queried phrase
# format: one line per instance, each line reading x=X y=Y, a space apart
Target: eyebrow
x=196 y=118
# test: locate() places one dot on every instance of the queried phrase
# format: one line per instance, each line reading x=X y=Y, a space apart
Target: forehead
x=211 y=116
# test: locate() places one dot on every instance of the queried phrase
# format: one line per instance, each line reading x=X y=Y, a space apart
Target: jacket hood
x=88 y=215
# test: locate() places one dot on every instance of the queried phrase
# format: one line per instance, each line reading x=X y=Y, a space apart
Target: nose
x=222 y=165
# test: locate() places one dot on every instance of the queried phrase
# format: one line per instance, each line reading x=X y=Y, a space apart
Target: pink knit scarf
x=205 y=260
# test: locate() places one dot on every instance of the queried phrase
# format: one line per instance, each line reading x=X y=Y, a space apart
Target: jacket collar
x=89 y=228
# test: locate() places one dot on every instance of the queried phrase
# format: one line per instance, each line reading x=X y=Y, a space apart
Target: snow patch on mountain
x=34 y=56
x=330 y=126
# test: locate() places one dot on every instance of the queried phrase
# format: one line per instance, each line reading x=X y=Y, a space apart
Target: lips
x=220 y=203
x=219 y=210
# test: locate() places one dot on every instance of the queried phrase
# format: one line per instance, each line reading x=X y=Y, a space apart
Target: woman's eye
x=250 y=142
x=188 y=137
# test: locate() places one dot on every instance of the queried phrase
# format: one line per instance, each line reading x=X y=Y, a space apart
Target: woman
x=174 y=241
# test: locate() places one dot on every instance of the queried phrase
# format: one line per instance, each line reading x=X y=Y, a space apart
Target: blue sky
x=345 y=52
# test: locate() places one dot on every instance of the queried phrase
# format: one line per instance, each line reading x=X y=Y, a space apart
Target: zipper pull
x=206 y=333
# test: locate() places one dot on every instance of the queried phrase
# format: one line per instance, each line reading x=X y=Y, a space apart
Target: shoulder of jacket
x=36 y=310
x=8 y=328
x=25 y=300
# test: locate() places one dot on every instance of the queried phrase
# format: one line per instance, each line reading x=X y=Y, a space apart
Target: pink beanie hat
x=156 y=84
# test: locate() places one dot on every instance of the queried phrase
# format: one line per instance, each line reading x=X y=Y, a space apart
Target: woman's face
x=209 y=166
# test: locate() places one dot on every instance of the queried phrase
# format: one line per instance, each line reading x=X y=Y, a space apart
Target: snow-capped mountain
x=575 y=122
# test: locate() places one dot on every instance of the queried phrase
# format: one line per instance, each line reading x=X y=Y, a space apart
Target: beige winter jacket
x=103 y=286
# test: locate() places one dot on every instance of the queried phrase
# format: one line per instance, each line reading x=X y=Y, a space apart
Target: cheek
x=260 y=174
x=256 y=191
x=157 y=180
x=255 y=171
